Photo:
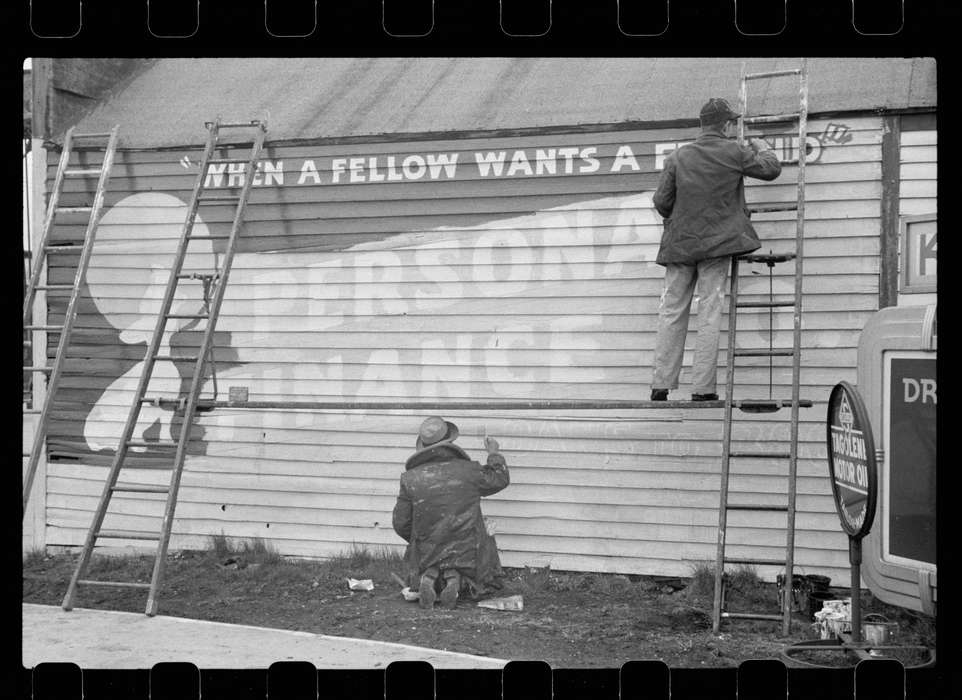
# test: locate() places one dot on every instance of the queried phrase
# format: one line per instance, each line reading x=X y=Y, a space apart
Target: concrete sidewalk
x=109 y=639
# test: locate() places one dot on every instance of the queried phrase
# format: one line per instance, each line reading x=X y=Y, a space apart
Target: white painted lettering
x=568 y=154
x=447 y=161
x=545 y=162
x=625 y=157
x=414 y=167
x=374 y=175
x=911 y=387
x=215 y=175
x=235 y=175
x=338 y=167
x=356 y=164
x=519 y=163
x=490 y=161
x=592 y=164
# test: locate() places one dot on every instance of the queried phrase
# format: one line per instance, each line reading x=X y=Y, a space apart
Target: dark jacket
x=438 y=511
x=701 y=194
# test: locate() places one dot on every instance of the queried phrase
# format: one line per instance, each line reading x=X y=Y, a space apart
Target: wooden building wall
x=459 y=285
x=918 y=180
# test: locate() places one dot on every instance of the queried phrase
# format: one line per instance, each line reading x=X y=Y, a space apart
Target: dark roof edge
x=633 y=125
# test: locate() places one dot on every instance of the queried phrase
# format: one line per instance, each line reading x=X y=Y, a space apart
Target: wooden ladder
x=209 y=311
x=108 y=141
x=770 y=404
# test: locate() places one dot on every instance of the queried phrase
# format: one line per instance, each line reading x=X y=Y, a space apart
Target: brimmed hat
x=716 y=110
x=435 y=430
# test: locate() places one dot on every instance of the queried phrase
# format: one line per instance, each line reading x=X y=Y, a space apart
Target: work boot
x=452 y=585
x=426 y=591
x=659 y=394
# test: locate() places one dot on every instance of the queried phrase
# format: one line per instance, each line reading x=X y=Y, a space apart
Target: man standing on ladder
x=701 y=194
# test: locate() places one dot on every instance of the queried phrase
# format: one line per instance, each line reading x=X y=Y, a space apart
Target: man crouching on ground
x=438 y=512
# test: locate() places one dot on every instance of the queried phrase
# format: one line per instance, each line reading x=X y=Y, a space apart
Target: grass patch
x=34 y=556
x=702 y=584
x=252 y=551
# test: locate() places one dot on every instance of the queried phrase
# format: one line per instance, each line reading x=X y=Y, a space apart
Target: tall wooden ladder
x=187 y=402
x=54 y=371
x=734 y=353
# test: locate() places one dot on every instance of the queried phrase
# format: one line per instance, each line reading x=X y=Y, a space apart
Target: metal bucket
x=816 y=599
x=878 y=632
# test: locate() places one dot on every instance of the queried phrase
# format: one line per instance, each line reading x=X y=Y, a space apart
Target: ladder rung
x=196 y=275
x=139 y=488
x=769 y=118
x=233 y=161
x=27 y=454
x=772 y=74
x=126 y=535
x=752 y=616
x=142 y=443
x=760 y=455
x=763 y=304
x=767 y=257
x=93 y=135
x=63 y=248
x=748 y=506
x=73 y=210
x=768 y=208
x=241 y=125
x=172 y=358
x=38 y=369
x=764 y=353
x=31 y=412
x=759 y=562
x=54 y=287
x=188 y=315
x=83 y=172
x=55 y=329
x=211 y=237
x=117 y=584
x=28 y=342
x=219 y=198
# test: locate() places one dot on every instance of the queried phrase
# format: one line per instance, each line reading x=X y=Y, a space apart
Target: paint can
x=816 y=601
x=799 y=592
x=878 y=630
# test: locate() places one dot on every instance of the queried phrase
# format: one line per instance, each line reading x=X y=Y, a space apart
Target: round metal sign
x=851 y=460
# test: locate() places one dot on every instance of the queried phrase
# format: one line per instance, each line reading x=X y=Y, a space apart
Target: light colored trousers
x=680 y=280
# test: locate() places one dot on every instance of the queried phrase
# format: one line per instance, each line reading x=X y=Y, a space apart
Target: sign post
x=852 y=467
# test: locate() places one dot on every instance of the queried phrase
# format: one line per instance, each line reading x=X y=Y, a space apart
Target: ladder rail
x=198 y=376
x=726 y=448
x=40 y=258
x=796 y=345
x=131 y=423
x=70 y=316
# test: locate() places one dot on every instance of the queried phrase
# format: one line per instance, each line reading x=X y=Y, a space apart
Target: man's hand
x=759 y=145
x=491 y=445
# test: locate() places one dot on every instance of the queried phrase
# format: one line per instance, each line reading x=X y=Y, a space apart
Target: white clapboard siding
x=918 y=172
x=459 y=285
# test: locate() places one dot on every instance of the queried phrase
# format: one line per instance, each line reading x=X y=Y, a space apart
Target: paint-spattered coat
x=438 y=512
x=701 y=194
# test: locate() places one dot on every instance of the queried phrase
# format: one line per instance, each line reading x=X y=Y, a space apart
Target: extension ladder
x=765 y=405
x=188 y=402
x=54 y=371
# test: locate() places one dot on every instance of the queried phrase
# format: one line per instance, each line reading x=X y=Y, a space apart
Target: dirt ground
x=570 y=620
